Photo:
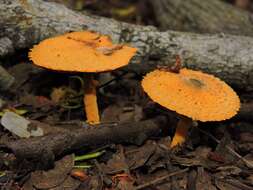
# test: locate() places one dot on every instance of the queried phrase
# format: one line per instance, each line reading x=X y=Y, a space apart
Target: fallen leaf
x=79 y=174
x=124 y=12
x=36 y=101
x=246 y=137
x=225 y=186
x=116 y=164
x=17 y=111
x=109 y=50
x=225 y=171
x=216 y=157
x=58 y=94
x=125 y=184
x=203 y=180
x=138 y=157
x=122 y=113
x=53 y=177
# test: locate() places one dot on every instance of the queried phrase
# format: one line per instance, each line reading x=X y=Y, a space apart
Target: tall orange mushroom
x=87 y=52
x=192 y=94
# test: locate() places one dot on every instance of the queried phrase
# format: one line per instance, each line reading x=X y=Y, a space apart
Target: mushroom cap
x=193 y=94
x=81 y=52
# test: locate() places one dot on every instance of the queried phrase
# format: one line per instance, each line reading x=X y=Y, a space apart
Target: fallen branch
x=201 y=16
x=27 y=22
x=41 y=152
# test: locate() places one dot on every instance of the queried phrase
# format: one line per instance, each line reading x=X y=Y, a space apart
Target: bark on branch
x=26 y=22
x=201 y=16
x=41 y=152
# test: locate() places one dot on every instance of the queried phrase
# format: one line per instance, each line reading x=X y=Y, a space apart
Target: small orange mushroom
x=87 y=52
x=192 y=94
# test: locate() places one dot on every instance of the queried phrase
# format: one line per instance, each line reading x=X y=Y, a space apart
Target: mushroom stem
x=90 y=99
x=183 y=126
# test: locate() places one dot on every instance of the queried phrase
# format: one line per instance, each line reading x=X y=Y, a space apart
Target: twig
x=227 y=147
x=114 y=79
x=157 y=180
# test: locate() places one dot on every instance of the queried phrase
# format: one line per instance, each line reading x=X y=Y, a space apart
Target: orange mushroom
x=87 y=52
x=192 y=94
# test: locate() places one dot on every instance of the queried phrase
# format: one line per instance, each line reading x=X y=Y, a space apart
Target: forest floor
x=215 y=156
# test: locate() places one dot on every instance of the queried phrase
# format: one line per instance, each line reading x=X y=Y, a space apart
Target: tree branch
x=201 y=16
x=26 y=22
x=41 y=152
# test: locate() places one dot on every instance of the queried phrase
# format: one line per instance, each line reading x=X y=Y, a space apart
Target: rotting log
x=41 y=152
x=26 y=22
x=201 y=16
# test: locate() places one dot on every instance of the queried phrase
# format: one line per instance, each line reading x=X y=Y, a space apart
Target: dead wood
x=201 y=16
x=27 y=22
x=40 y=152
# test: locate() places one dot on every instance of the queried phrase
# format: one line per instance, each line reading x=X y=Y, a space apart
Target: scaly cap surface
x=81 y=52
x=193 y=94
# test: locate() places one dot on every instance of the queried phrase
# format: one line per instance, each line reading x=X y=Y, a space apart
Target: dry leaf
x=109 y=50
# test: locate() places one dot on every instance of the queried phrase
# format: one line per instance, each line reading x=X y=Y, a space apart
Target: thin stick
x=110 y=81
x=227 y=147
x=157 y=180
